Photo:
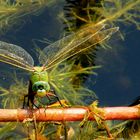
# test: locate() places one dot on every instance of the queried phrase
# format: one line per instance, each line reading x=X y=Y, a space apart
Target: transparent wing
x=75 y=43
x=16 y=56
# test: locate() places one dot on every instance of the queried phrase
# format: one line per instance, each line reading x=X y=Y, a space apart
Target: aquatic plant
x=13 y=12
x=115 y=11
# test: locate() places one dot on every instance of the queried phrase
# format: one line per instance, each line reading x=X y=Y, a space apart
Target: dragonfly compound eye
x=40 y=88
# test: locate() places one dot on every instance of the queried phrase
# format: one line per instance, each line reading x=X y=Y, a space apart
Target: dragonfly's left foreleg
x=53 y=93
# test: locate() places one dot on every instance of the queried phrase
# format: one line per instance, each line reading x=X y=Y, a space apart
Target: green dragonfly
x=55 y=54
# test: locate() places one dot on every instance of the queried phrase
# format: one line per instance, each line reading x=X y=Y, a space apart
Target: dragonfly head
x=41 y=88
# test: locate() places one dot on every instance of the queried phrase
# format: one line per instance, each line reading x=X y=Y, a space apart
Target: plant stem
x=68 y=114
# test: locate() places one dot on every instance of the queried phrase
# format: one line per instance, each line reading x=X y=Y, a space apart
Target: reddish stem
x=68 y=114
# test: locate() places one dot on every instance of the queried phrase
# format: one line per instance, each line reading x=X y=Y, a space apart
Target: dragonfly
x=54 y=54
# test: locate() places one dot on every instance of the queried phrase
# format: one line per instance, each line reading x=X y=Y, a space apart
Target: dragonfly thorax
x=38 y=69
x=39 y=81
x=39 y=74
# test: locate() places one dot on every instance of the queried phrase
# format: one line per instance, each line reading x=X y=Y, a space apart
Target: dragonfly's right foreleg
x=30 y=102
x=25 y=96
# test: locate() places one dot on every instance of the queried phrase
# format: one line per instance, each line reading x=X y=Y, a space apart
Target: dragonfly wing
x=16 y=56
x=76 y=43
x=57 y=50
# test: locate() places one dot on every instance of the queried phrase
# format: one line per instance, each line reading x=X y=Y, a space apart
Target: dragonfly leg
x=31 y=99
x=48 y=97
x=53 y=93
x=25 y=96
x=30 y=102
